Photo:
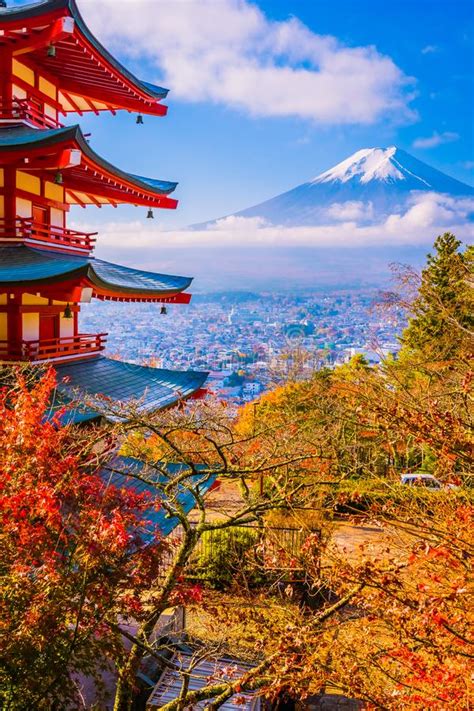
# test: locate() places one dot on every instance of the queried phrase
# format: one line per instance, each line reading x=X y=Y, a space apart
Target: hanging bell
x=67 y=312
x=163 y=310
x=139 y=120
x=51 y=52
x=150 y=215
x=58 y=178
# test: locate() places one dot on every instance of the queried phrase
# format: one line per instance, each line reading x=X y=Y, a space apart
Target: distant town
x=249 y=341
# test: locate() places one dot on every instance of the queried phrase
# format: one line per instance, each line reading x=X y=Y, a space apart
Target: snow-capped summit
x=364 y=188
x=366 y=165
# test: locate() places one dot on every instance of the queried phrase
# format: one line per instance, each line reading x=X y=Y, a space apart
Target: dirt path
x=353 y=537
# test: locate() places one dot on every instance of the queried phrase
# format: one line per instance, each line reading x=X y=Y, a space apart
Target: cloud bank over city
x=229 y=52
x=426 y=216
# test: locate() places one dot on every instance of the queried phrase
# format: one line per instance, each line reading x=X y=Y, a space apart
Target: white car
x=427 y=481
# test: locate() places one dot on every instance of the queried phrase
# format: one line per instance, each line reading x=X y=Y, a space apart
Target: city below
x=249 y=341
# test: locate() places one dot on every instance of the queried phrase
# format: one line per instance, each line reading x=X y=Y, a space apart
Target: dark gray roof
x=154 y=388
x=120 y=472
x=24 y=265
x=25 y=137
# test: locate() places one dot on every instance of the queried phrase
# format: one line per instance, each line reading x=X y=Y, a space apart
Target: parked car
x=425 y=480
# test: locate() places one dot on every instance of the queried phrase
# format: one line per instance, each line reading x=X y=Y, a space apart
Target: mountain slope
x=370 y=184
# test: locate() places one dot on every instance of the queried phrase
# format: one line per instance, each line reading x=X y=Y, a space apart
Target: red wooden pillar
x=14 y=324
x=6 y=74
x=76 y=321
x=9 y=192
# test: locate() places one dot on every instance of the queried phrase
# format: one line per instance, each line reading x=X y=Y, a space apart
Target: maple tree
x=72 y=552
x=264 y=464
x=397 y=629
x=74 y=562
x=334 y=427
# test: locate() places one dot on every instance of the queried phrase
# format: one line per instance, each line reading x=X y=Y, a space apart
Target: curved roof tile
x=20 y=136
x=126 y=472
x=24 y=265
x=152 y=388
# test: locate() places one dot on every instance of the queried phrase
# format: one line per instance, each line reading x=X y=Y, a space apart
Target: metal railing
x=24 y=229
x=278 y=547
x=53 y=348
x=24 y=110
x=272 y=550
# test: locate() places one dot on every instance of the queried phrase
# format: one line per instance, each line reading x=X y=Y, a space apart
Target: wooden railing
x=53 y=348
x=23 y=110
x=23 y=229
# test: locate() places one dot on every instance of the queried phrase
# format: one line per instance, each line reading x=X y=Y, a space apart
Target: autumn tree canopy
x=72 y=553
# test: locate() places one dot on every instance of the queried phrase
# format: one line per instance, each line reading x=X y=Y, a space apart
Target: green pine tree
x=442 y=323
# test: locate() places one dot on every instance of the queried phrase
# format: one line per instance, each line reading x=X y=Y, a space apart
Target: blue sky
x=226 y=158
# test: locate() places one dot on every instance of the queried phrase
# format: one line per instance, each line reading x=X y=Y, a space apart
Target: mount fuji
x=365 y=188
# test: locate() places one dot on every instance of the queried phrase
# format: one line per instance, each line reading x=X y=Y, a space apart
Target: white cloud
x=235 y=223
x=433 y=210
x=436 y=139
x=350 y=210
x=430 y=49
x=230 y=52
x=427 y=215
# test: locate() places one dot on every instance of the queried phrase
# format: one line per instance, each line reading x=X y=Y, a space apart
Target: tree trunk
x=124 y=692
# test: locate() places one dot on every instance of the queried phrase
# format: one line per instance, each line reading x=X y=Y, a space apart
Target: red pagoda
x=51 y=65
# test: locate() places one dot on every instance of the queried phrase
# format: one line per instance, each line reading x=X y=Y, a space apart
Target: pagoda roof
x=86 y=177
x=151 y=389
x=82 y=66
x=128 y=472
x=26 y=267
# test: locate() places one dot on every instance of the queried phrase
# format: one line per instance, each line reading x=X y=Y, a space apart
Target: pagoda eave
x=63 y=277
x=72 y=291
x=86 y=177
x=84 y=69
x=181 y=298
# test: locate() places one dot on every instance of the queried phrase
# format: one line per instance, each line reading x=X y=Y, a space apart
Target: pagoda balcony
x=39 y=235
x=25 y=111
x=82 y=345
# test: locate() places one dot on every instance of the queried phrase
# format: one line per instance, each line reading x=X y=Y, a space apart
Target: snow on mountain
x=366 y=165
x=365 y=188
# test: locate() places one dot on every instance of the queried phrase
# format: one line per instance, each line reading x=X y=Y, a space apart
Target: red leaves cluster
x=186 y=594
x=428 y=686
x=72 y=554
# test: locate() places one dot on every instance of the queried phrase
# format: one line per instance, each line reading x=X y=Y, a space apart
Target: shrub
x=225 y=556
